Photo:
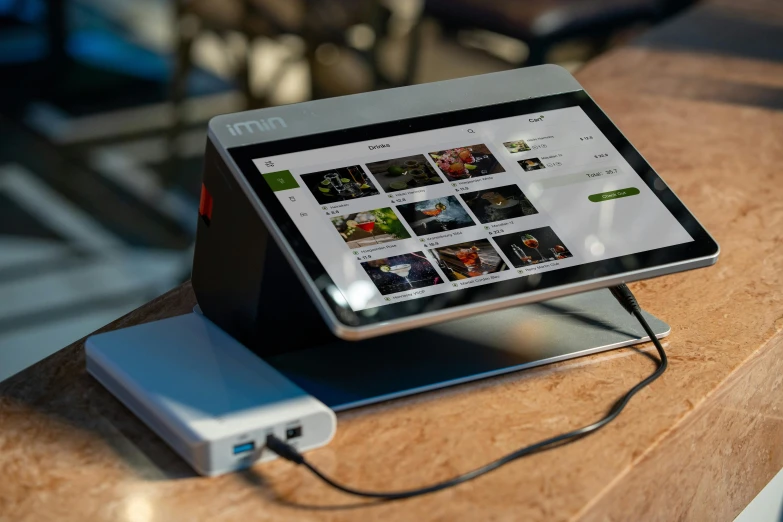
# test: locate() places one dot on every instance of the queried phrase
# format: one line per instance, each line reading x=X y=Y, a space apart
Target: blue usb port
x=244 y=447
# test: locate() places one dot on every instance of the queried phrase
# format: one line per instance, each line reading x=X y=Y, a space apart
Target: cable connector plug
x=626 y=298
x=283 y=449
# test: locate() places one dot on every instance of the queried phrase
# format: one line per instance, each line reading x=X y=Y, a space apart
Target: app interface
x=438 y=211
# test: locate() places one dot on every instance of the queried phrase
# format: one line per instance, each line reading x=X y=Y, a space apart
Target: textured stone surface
x=696 y=445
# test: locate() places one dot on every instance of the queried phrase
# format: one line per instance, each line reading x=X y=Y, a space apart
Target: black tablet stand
x=245 y=285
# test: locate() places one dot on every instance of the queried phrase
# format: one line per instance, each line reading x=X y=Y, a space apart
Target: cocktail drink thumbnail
x=466 y=162
x=435 y=215
x=404 y=173
x=370 y=227
x=516 y=146
x=532 y=247
x=470 y=259
x=339 y=184
x=499 y=203
x=400 y=273
x=531 y=164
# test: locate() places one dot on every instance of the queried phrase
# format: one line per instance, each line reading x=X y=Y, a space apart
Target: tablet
x=410 y=206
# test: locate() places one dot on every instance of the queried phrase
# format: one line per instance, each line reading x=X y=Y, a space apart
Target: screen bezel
x=702 y=245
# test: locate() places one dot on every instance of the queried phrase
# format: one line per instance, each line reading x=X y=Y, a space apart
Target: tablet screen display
x=448 y=210
x=415 y=215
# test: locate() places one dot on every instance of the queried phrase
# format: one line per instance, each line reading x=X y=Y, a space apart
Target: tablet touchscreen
x=469 y=206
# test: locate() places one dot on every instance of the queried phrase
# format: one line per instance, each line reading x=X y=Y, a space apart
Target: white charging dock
x=210 y=398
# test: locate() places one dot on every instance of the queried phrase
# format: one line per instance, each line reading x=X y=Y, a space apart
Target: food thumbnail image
x=531 y=247
x=435 y=215
x=370 y=227
x=531 y=164
x=399 y=273
x=497 y=204
x=466 y=162
x=340 y=184
x=404 y=173
x=471 y=259
x=516 y=146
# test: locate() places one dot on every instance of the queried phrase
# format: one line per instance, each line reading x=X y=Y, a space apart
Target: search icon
x=471 y=131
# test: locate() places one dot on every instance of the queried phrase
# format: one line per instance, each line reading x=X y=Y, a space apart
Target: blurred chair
x=317 y=22
x=542 y=24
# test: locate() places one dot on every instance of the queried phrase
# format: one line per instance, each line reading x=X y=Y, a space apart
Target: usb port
x=244 y=447
x=292 y=433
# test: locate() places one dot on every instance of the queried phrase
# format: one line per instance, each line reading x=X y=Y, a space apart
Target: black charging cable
x=626 y=299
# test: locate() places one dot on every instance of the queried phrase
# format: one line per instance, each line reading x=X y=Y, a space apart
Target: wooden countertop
x=701 y=97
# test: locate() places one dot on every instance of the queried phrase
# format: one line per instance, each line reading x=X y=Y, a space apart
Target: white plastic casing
x=204 y=393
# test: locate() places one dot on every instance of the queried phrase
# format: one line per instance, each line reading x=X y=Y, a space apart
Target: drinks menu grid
x=437 y=211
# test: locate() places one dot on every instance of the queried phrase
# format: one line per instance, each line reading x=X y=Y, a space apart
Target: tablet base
x=281 y=325
x=345 y=375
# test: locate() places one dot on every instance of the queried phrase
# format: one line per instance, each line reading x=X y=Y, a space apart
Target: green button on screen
x=613 y=194
x=282 y=180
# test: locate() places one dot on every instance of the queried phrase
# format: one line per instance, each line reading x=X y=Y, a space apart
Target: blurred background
x=104 y=104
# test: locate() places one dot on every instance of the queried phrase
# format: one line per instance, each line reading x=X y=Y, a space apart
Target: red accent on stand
x=205 y=205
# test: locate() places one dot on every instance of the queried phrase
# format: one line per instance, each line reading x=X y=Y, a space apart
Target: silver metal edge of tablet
x=358 y=110
x=315 y=117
